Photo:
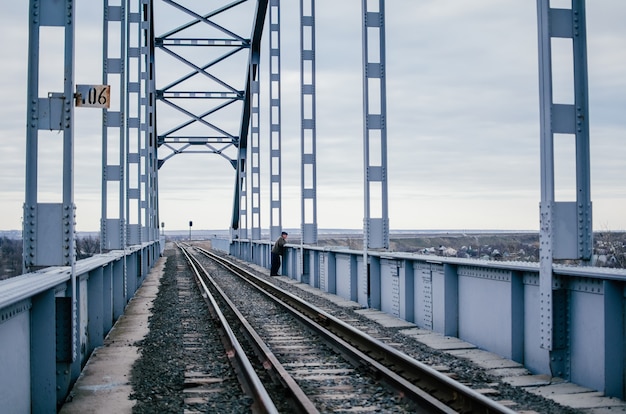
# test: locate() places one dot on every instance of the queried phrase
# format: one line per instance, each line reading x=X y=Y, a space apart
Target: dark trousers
x=275 y=264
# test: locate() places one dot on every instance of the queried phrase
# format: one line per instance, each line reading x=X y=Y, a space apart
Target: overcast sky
x=462 y=109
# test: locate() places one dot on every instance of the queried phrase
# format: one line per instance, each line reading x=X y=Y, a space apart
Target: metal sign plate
x=93 y=96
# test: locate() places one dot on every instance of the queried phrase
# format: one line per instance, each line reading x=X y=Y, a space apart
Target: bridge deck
x=104 y=384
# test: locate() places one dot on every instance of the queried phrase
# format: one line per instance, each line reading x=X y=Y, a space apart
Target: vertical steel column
x=308 y=169
x=251 y=96
x=547 y=173
x=276 y=219
x=147 y=109
x=151 y=118
x=565 y=227
x=134 y=150
x=51 y=244
x=376 y=221
x=584 y=222
x=113 y=223
x=49 y=228
x=242 y=182
x=255 y=148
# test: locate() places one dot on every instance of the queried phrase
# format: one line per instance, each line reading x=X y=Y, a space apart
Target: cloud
x=462 y=112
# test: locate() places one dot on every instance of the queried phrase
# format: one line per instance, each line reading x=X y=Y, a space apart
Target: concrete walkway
x=104 y=385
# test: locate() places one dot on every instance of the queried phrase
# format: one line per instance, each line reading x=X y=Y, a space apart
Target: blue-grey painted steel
x=494 y=305
x=376 y=219
x=255 y=146
x=311 y=277
x=308 y=139
x=200 y=131
x=345 y=272
x=373 y=281
x=97 y=295
x=407 y=285
x=495 y=287
x=362 y=281
x=242 y=186
x=42 y=381
x=314 y=279
x=49 y=228
x=275 y=113
x=304 y=263
x=613 y=334
x=135 y=151
x=565 y=227
x=108 y=315
x=40 y=362
x=255 y=150
x=51 y=244
x=289 y=264
x=132 y=267
x=114 y=131
x=222 y=245
x=119 y=287
x=423 y=295
x=198 y=92
x=240 y=204
x=16 y=354
x=147 y=113
x=328 y=272
x=390 y=286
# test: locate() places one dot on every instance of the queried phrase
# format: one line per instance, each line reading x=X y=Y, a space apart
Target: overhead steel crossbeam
x=204 y=49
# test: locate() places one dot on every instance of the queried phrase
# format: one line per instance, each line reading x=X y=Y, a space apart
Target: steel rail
x=299 y=399
x=245 y=371
x=414 y=373
x=426 y=401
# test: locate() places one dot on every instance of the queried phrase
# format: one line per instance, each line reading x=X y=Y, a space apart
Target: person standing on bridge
x=277 y=251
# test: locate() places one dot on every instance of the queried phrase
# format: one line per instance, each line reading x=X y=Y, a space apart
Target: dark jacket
x=279 y=246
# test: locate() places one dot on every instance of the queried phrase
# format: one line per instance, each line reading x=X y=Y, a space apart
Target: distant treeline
x=10 y=257
x=11 y=253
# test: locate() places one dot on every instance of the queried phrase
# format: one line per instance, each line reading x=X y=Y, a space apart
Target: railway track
x=320 y=363
x=209 y=380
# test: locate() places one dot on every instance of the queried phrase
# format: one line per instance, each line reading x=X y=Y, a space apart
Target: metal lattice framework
x=212 y=106
x=128 y=127
x=202 y=95
x=196 y=97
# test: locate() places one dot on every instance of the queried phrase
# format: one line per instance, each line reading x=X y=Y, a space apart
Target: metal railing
x=494 y=305
x=51 y=321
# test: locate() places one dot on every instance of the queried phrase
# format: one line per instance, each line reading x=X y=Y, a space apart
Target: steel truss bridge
x=205 y=107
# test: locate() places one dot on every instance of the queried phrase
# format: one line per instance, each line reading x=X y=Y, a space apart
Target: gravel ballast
x=158 y=376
